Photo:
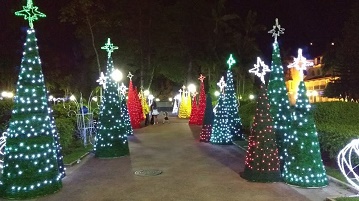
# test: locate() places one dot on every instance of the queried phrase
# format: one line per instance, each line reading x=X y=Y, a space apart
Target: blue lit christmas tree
x=277 y=94
x=262 y=161
x=206 y=131
x=304 y=166
x=221 y=133
x=31 y=163
x=111 y=138
x=231 y=102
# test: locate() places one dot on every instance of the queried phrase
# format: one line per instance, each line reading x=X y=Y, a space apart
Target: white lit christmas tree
x=304 y=166
x=111 y=138
x=221 y=133
x=231 y=102
x=31 y=160
x=278 y=98
x=262 y=161
x=124 y=112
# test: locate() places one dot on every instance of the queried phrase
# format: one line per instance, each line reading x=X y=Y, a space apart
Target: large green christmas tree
x=262 y=161
x=304 y=166
x=111 y=138
x=31 y=160
x=231 y=102
x=277 y=94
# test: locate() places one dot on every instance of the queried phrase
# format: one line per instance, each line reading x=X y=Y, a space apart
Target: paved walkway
x=192 y=171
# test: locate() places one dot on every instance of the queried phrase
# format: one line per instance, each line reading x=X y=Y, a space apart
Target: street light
x=216 y=93
x=116 y=75
x=146 y=92
x=191 y=88
x=157 y=99
x=6 y=94
x=170 y=99
x=251 y=97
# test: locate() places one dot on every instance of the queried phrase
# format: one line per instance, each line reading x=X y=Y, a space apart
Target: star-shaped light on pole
x=30 y=13
x=300 y=63
x=230 y=61
x=277 y=30
x=109 y=47
x=123 y=89
x=130 y=75
x=201 y=77
x=102 y=80
x=221 y=84
x=260 y=69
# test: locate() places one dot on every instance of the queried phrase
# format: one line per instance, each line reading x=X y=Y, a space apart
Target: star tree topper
x=30 y=13
x=130 y=75
x=201 y=77
x=102 y=80
x=277 y=30
x=230 y=61
x=109 y=47
x=260 y=69
x=221 y=84
x=300 y=63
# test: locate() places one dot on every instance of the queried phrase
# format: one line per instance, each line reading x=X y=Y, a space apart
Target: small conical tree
x=111 y=138
x=31 y=165
x=221 y=133
x=194 y=112
x=278 y=98
x=304 y=166
x=124 y=111
x=262 y=161
x=202 y=102
x=139 y=106
x=182 y=112
x=231 y=102
x=132 y=104
x=206 y=131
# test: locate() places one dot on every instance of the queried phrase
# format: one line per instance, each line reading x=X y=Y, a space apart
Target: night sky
x=305 y=21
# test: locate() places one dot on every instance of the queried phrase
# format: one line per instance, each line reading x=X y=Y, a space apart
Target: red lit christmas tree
x=262 y=161
x=139 y=106
x=202 y=101
x=131 y=105
x=194 y=111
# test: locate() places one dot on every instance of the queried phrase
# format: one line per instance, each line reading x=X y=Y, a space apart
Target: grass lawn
x=335 y=173
x=347 y=199
x=76 y=154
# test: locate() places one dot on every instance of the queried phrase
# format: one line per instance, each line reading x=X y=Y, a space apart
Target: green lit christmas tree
x=124 y=110
x=221 y=133
x=111 y=138
x=262 y=161
x=31 y=160
x=231 y=102
x=206 y=131
x=277 y=94
x=304 y=166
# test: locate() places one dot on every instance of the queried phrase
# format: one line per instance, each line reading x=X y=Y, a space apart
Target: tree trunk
x=93 y=45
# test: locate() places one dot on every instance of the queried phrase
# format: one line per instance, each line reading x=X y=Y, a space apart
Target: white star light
x=221 y=84
x=300 y=63
x=277 y=30
x=130 y=75
x=123 y=89
x=102 y=80
x=260 y=69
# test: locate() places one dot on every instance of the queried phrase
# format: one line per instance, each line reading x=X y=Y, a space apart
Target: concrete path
x=192 y=171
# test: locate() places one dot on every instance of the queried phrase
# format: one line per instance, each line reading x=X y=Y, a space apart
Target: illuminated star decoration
x=130 y=75
x=102 y=80
x=277 y=30
x=221 y=84
x=123 y=89
x=180 y=91
x=300 y=63
x=231 y=61
x=260 y=69
x=30 y=13
x=201 y=77
x=109 y=47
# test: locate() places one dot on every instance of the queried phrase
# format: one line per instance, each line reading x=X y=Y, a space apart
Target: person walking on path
x=154 y=112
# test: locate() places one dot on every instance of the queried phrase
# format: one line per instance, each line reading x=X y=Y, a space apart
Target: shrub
x=246 y=113
x=66 y=129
